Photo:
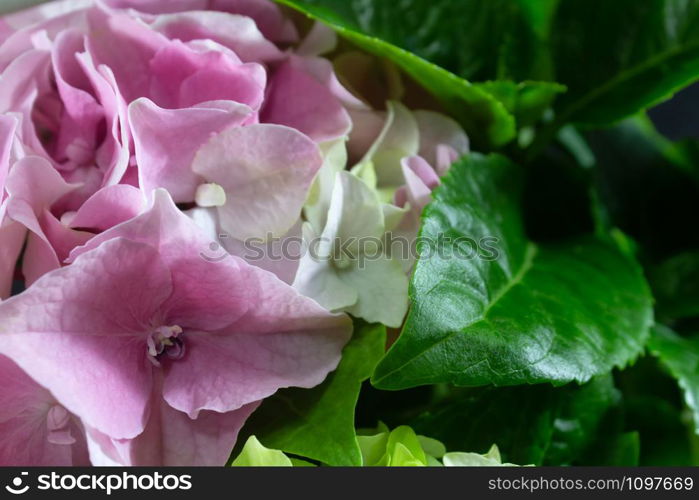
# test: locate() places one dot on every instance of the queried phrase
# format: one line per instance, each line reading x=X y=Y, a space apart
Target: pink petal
x=266 y=171
x=439 y=130
x=12 y=235
x=172 y=438
x=78 y=133
x=183 y=77
x=247 y=333
x=322 y=70
x=5 y=31
x=279 y=256
x=20 y=83
x=321 y=39
x=446 y=156
x=418 y=194
x=267 y=16
x=8 y=127
x=298 y=100
x=25 y=410
x=78 y=331
x=112 y=156
x=422 y=169
x=158 y=6
x=87 y=180
x=61 y=238
x=35 y=181
x=367 y=126
x=126 y=46
x=203 y=289
x=108 y=207
x=238 y=33
x=166 y=141
x=284 y=340
x=51 y=19
x=34 y=186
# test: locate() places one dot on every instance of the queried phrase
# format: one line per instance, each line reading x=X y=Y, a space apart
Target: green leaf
x=400 y=447
x=675 y=283
x=523 y=314
x=622 y=450
x=468 y=459
x=484 y=118
x=551 y=426
x=527 y=100
x=653 y=405
x=256 y=455
x=622 y=56
x=505 y=39
x=404 y=449
x=373 y=448
x=475 y=419
x=318 y=423
x=681 y=357
x=644 y=183
x=580 y=419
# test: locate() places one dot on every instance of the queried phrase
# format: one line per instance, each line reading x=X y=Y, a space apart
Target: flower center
x=165 y=342
x=58 y=426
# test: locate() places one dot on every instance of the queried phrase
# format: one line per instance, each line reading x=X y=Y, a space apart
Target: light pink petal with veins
x=205 y=297
x=80 y=332
x=284 y=340
x=167 y=140
x=266 y=171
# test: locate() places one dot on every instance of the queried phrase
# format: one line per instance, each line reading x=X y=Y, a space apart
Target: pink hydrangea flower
x=133 y=134
x=155 y=348
x=126 y=93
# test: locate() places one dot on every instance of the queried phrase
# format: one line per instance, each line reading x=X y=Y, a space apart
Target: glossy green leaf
x=318 y=423
x=523 y=314
x=681 y=357
x=485 y=119
x=619 y=57
x=505 y=39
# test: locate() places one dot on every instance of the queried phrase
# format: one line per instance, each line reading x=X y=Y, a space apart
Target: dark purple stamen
x=176 y=350
x=165 y=342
